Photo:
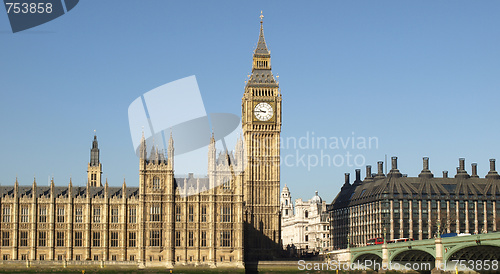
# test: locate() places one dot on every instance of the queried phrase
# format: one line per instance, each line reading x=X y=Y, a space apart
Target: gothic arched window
x=156 y=183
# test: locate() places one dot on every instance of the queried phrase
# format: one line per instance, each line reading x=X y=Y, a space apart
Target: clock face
x=263 y=111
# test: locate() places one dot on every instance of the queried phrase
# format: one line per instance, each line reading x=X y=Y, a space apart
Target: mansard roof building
x=399 y=206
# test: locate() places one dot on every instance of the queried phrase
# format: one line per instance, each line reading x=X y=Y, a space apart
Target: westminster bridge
x=472 y=252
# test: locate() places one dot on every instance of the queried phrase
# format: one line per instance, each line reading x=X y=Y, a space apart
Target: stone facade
x=225 y=218
x=305 y=225
x=261 y=123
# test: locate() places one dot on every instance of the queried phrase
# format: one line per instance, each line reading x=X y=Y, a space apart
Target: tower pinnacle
x=94 y=169
x=261 y=67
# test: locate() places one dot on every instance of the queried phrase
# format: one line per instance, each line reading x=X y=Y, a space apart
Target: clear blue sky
x=420 y=76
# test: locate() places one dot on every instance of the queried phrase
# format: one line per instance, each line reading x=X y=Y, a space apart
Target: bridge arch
x=473 y=251
x=406 y=249
x=374 y=259
x=416 y=259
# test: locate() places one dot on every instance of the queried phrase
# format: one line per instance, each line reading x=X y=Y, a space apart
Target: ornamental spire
x=261 y=44
x=94 y=152
x=261 y=67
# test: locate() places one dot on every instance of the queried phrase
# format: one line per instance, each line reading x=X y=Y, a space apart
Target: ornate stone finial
x=261 y=17
x=95 y=132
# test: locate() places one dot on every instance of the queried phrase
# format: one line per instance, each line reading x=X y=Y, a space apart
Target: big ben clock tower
x=261 y=122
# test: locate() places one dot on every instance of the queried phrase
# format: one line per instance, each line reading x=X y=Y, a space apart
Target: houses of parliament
x=221 y=219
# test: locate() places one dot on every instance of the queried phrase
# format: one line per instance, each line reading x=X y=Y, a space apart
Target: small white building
x=305 y=225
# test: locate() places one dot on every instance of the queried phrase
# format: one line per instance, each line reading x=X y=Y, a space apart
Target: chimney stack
x=394 y=169
x=394 y=161
x=346 y=179
x=492 y=173
x=380 y=173
x=358 y=175
x=425 y=173
x=445 y=173
x=461 y=173
x=368 y=173
x=474 y=170
x=461 y=162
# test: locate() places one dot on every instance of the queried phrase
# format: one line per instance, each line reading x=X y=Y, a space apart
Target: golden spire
x=261 y=17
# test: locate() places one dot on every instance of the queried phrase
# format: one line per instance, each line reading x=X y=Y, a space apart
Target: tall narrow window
x=25 y=211
x=79 y=214
x=6 y=214
x=177 y=238
x=155 y=213
x=96 y=239
x=226 y=184
x=191 y=213
x=154 y=238
x=97 y=215
x=60 y=214
x=114 y=215
x=131 y=239
x=226 y=213
x=78 y=238
x=203 y=213
x=5 y=238
x=177 y=213
x=203 y=238
x=156 y=183
x=42 y=214
x=114 y=239
x=23 y=238
x=132 y=215
x=225 y=238
x=42 y=238
x=60 y=238
x=190 y=238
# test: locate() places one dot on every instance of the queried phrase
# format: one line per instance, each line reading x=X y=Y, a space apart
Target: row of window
x=96 y=257
x=60 y=216
x=154 y=238
x=60 y=237
x=154 y=214
x=434 y=204
x=225 y=213
x=225 y=238
x=61 y=257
